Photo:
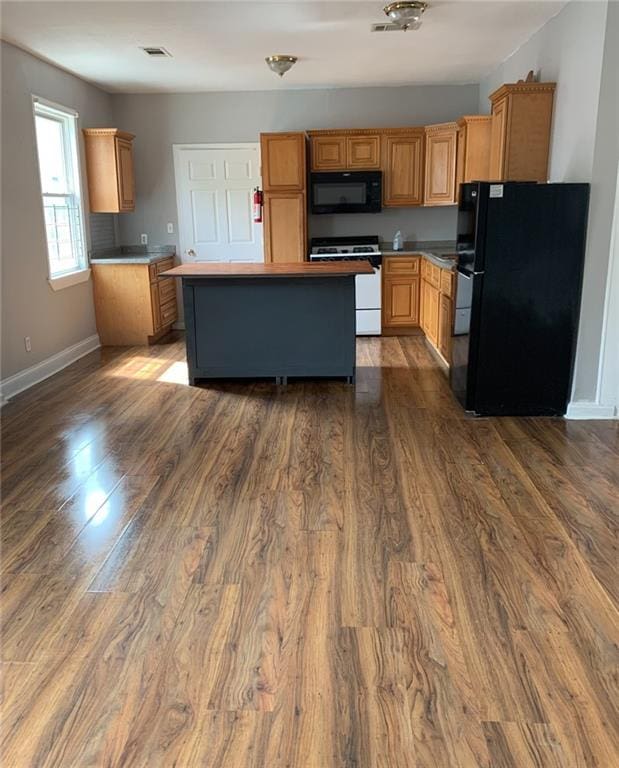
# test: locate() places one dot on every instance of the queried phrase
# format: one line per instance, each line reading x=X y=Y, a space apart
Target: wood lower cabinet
x=403 y=168
x=440 y=164
x=445 y=326
x=133 y=305
x=285 y=227
x=401 y=296
x=109 y=168
x=400 y=292
x=283 y=161
x=521 y=130
x=437 y=307
x=430 y=306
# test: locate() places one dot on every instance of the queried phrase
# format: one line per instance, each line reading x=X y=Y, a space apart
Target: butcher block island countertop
x=250 y=321
x=294 y=269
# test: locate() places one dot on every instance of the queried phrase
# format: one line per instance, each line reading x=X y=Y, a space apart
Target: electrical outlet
x=170 y=228
x=27 y=344
x=144 y=239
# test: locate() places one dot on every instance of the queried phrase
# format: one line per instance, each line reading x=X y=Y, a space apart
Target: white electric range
x=367 y=287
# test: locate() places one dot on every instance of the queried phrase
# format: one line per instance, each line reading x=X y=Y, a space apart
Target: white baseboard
x=27 y=378
x=587 y=410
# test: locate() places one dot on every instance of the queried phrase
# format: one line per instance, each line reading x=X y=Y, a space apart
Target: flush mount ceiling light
x=280 y=64
x=406 y=15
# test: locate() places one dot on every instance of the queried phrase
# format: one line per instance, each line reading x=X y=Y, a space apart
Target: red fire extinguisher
x=257 y=205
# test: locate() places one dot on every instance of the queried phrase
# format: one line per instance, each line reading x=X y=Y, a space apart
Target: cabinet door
x=498 y=139
x=432 y=296
x=460 y=159
x=403 y=164
x=363 y=152
x=444 y=326
x=283 y=161
x=423 y=309
x=328 y=153
x=155 y=307
x=440 y=175
x=284 y=227
x=476 y=149
x=124 y=174
x=401 y=297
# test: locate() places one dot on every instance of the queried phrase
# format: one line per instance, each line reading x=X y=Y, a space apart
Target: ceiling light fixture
x=280 y=64
x=407 y=15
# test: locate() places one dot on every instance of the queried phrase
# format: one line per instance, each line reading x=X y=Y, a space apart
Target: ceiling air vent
x=386 y=28
x=156 y=52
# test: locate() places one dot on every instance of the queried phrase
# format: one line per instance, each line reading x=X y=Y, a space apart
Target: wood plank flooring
x=315 y=576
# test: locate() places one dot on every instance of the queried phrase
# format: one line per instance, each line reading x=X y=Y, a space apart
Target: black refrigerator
x=520 y=249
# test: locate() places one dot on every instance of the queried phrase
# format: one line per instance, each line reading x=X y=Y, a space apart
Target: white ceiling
x=221 y=45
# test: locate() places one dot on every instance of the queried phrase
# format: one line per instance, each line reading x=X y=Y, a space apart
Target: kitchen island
x=270 y=320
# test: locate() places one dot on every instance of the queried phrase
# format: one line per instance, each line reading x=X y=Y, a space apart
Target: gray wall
x=53 y=320
x=415 y=224
x=578 y=50
x=567 y=50
x=601 y=218
x=161 y=120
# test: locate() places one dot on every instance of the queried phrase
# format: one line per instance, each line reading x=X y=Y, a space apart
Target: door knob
x=191 y=253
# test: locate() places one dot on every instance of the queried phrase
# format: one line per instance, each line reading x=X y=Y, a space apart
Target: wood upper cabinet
x=440 y=165
x=285 y=227
x=498 y=139
x=473 y=149
x=345 y=151
x=521 y=129
x=403 y=168
x=109 y=167
x=328 y=153
x=363 y=152
x=283 y=160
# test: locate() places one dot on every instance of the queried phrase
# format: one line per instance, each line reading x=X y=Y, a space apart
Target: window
x=57 y=150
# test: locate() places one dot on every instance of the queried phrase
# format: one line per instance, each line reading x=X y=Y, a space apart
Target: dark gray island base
x=270 y=320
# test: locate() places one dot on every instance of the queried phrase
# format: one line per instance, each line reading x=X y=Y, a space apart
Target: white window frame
x=68 y=118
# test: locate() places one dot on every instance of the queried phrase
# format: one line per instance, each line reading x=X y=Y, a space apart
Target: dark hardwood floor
x=325 y=576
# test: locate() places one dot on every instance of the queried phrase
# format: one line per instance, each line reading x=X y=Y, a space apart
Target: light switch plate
x=144 y=239
x=170 y=228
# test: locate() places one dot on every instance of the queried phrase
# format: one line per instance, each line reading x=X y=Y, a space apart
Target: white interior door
x=214 y=195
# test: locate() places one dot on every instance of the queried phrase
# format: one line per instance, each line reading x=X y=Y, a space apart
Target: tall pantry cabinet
x=284 y=180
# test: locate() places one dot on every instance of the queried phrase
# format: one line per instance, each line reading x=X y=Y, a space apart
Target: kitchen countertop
x=132 y=254
x=294 y=269
x=439 y=252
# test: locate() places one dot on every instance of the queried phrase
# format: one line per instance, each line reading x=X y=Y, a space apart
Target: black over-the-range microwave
x=346 y=192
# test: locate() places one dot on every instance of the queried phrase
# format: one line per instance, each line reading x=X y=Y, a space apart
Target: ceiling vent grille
x=386 y=27
x=156 y=52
